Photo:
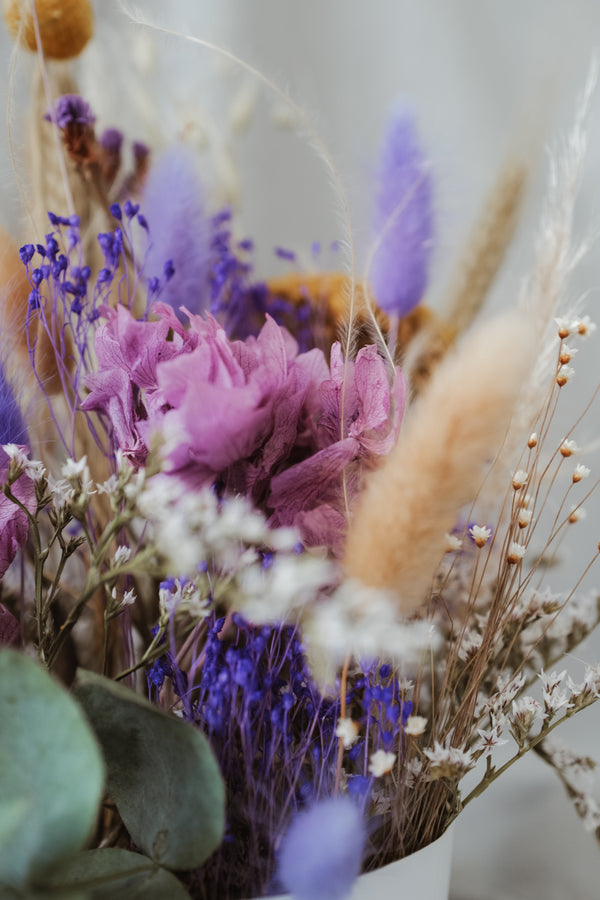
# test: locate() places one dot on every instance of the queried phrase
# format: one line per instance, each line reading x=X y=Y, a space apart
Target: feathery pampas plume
x=397 y=536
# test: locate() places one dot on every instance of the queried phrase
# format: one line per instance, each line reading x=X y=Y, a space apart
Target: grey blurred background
x=486 y=79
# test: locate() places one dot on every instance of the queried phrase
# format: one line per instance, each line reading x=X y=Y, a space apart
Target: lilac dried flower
x=321 y=853
x=403 y=220
x=111 y=140
x=174 y=208
x=70 y=109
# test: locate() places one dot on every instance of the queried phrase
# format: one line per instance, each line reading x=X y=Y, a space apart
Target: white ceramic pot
x=425 y=874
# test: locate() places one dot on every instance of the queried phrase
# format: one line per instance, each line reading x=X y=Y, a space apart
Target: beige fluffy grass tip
x=397 y=536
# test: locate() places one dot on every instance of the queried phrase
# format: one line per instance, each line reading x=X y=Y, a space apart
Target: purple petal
x=403 y=218
x=10 y=631
x=14 y=524
x=321 y=853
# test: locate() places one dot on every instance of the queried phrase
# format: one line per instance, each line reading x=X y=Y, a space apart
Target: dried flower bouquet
x=307 y=518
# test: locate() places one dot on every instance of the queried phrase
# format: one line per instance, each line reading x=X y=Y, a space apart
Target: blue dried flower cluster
x=273 y=733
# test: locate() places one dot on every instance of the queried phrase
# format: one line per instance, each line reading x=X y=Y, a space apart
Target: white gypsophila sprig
x=362 y=621
x=62 y=493
x=183 y=595
x=291 y=582
x=231 y=535
x=348 y=730
x=381 y=762
x=77 y=474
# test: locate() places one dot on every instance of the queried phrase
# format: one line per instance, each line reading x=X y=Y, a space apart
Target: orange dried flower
x=65 y=25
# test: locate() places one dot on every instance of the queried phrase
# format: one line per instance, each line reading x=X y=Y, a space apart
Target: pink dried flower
x=14 y=524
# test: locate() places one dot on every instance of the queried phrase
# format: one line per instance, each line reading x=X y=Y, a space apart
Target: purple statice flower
x=180 y=233
x=14 y=524
x=111 y=140
x=268 y=724
x=403 y=220
x=321 y=853
x=241 y=303
x=70 y=109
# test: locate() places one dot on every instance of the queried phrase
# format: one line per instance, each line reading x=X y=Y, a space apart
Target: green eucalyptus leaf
x=115 y=874
x=51 y=772
x=161 y=773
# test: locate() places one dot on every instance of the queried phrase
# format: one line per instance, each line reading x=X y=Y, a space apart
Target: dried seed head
x=579 y=473
x=568 y=448
x=453 y=543
x=480 y=535
x=515 y=554
x=523 y=501
x=532 y=442
x=565 y=373
x=525 y=517
x=65 y=25
x=577 y=514
x=584 y=326
x=520 y=479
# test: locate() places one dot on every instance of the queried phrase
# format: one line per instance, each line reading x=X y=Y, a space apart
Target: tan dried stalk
x=397 y=536
x=486 y=247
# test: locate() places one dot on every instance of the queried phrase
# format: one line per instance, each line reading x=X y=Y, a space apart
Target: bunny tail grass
x=397 y=536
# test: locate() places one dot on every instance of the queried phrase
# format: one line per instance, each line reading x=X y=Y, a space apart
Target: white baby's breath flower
x=515 y=553
x=62 y=493
x=363 y=620
x=453 y=543
x=577 y=514
x=480 y=534
x=525 y=517
x=580 y=472
x=129 y=598
x=347 y=730
x=381 y=762
x=415 y=726
x=568 y=448
x=122 y=555
x=270 y=595
x=16 y=454
x=566 y=354
x=583 y=326
x=520 y=479
x=77 y=474
x=35 y=469
x=564 y=374
x=109 y=486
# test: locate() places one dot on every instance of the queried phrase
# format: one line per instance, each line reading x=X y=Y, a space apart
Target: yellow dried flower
x=65 y=25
